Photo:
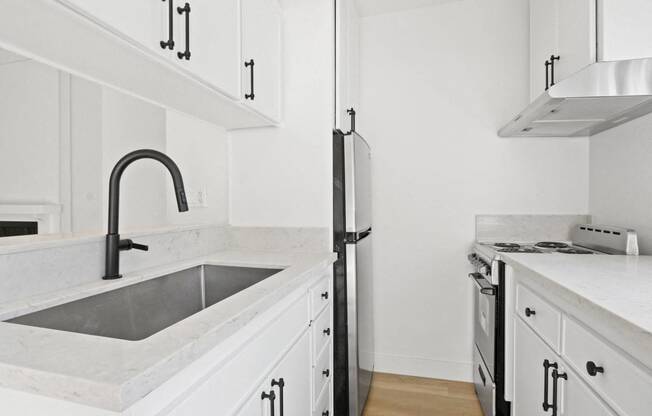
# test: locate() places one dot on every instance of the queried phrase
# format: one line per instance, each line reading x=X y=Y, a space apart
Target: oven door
x=484 y=331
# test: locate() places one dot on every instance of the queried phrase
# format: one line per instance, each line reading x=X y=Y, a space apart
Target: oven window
x=15 y=228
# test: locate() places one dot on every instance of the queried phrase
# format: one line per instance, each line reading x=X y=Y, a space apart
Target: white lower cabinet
x=530 y=353
x=544 y=384
x=286 y=391
x=562 y=366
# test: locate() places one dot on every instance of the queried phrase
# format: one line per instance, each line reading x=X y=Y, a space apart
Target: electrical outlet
x=197 y=197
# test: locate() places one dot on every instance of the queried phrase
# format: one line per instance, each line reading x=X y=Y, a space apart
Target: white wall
x=282 y=176
x=39 y=156
x=200 y=149
x=29 y=133
x=621 y=178
x=436 y=84
x=130 y=124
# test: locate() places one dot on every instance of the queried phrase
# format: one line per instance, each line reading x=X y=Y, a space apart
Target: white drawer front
x=320 y=295
x=544 y=319
x=322 y=332
x=323 y=405
x=624 y=385
x=322 y=372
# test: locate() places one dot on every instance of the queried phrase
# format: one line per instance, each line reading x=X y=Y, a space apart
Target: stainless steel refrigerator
x=353 y=277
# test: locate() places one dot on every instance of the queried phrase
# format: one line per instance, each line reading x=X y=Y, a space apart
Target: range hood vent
x=597 y=98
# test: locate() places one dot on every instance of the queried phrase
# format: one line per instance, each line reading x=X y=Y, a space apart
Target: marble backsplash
x=45 y=265
x=526 y=228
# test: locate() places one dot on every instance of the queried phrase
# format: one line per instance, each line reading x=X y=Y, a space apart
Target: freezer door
x=359 y=281
x=357 y=164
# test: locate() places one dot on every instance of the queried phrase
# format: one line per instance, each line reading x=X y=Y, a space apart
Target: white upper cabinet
x=200 y=36
x=562 y=40
x=204 y=45
x=139 y=20
x=261 y=57
x=624 y=29
x=214 y=42
x=572 y=34
x=347 y=71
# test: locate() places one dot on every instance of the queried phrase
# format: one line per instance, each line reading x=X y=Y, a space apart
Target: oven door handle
x=486 y=288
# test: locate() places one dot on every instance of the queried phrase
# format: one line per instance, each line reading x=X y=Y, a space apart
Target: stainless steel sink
x=135 y=312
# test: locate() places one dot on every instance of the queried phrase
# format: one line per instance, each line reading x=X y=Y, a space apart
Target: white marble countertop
x=613 y=294
x=113 y=374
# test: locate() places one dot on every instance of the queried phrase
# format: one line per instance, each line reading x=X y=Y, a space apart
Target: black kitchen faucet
x=113 y=242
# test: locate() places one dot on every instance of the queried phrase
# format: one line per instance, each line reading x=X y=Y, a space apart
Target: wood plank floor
x=394 y=395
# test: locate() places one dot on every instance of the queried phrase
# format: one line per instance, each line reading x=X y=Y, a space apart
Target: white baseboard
x=424 y=367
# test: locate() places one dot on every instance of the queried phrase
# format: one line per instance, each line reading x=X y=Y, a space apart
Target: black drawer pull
x=181 y=10
x=593 y=369
x=553 y=58
x=324 y=295
x=281 y=384
x=252 y=95
x=271 y=396
x=325 y=413
x=327 y=332
x=169 y=44
x=529 y=312
x=547 y=365
x=326 y=373
x=555 y=381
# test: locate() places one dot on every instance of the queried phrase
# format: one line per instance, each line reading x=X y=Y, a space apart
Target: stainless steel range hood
x=597 y=98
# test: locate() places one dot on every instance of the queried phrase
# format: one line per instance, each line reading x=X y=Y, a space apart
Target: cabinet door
x=576 y=37
x=294 y=371
x=144 y=21
x=577 y=399
x=214 y=43
x=529 y=355
x=261 y=42
x=624 y=29
x=543 y=42
x=563 y=28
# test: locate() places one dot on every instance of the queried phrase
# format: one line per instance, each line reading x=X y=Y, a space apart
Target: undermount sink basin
x=135 y=312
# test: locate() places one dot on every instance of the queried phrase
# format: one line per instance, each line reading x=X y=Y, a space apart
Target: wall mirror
x=60 y=136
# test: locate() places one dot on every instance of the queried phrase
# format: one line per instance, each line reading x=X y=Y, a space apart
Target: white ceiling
x=374 y=7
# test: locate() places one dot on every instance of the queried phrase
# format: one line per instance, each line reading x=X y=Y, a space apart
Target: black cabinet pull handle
x=547 y=365
x=327 y=332
x=325 y=413
x=547 y=75
x=252 y=95
x=170 y=42
x=593 y=369
x=553 y=58
x=181 y=10
x=529 y=312
x=271 y=396
x=281 y=384
x=324 y=295
x=326 y=372
x=555 y=381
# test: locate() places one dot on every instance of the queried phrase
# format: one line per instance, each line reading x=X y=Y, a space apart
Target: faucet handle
x=128 y=244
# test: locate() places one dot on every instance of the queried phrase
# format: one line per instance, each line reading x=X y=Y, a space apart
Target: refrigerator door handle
x=352 y=238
